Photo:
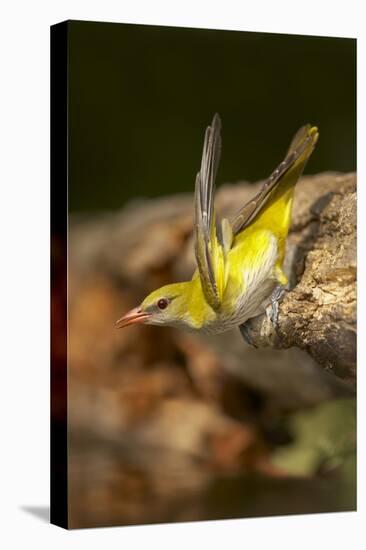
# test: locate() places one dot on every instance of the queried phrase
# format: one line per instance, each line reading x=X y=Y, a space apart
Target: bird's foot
x=245 y=332
x=273 y=311
x=258 y=333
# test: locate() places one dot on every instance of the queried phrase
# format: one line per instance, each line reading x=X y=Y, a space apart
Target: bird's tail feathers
x=272 y=204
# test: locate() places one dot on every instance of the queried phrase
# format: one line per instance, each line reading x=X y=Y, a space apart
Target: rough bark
x=319 y=313
x=149 y=243
x=172 y=413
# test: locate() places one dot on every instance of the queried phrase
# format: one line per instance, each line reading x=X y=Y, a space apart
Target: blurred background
x=165 y=425
x=141 y=97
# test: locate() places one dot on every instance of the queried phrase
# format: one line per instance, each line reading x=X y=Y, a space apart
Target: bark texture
x=319 y=313
x=149 y=243
x=174 y=420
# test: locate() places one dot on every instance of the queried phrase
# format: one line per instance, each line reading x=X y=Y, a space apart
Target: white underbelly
x=258 y=285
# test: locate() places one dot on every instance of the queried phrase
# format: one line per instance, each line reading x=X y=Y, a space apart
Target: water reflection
x=117 y=485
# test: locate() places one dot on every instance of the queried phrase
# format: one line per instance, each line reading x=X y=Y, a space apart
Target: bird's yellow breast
x=249 y=278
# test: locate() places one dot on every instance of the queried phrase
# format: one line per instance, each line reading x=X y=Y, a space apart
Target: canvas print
x=203 y=262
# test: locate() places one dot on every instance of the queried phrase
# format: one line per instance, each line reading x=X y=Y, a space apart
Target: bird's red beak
x=132 y=317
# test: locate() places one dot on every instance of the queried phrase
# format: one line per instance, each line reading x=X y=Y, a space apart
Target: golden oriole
x=239 y=262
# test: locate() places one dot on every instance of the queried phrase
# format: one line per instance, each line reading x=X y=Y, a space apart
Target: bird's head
x=165 y=306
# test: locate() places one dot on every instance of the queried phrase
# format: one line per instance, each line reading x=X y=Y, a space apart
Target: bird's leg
x=276 y=296
x=271 y=312
x=245 y=332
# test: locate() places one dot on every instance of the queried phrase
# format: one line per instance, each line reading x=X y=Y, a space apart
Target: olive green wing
x=301 y=147
x=209 y=246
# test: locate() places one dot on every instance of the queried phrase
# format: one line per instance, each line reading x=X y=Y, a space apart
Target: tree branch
x=319 y=313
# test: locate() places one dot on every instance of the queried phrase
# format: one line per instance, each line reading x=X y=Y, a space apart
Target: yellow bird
x=239 y=263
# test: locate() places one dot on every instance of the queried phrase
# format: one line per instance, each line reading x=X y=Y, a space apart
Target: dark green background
x=140 y=98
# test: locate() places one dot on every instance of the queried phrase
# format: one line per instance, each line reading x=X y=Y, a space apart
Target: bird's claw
x=272 y=313
x=276 y=296
x=244 y=329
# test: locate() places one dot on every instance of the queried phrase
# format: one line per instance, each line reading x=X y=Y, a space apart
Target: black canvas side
x=59 y=224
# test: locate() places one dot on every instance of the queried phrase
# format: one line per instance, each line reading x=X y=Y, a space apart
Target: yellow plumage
x=239 y=262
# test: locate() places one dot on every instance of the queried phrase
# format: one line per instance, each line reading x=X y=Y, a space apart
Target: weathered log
x=154 y=402
x=319 y=313
x=149 y=243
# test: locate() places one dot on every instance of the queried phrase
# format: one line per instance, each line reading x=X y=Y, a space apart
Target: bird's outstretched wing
x=299 y=151
x=209 y=250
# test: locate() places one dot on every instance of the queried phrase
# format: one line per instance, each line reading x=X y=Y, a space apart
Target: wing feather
x=212 y=242
x=206 y=241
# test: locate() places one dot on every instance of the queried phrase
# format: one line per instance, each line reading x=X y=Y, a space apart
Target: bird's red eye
x=162 y=303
